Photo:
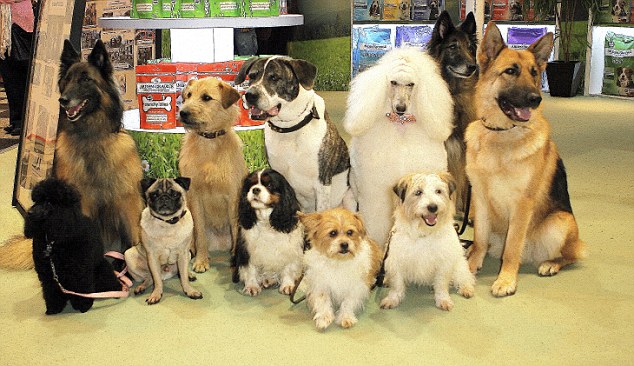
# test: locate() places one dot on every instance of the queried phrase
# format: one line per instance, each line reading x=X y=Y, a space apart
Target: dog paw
x=252 y=290
x=191 y=277
x=348 y=321
x=444 y=304
x=269 y=282
x=194 y=295
x=139 y=290
x=503 y=287
x=286 y=289
x=200 y=266
x=154 y=298
x=466 y=291
x=389 y=303
x=322 y=321
x=549 y=268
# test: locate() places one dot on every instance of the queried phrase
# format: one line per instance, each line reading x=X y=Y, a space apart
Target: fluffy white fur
x=423 y=254
x=332 y=284
x=382 y=151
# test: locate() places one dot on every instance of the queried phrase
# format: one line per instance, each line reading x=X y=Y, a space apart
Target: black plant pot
x=564 y=78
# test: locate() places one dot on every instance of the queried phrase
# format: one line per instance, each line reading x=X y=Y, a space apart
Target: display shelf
x=288 y=20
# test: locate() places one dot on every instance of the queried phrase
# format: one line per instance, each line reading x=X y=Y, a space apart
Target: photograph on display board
x=616 y=12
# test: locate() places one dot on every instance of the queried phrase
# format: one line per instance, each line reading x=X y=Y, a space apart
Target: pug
x=166 y=237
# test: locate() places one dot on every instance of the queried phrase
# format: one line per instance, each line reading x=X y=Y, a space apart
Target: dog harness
x=309 y=117
x=212 y=135
x=174 y=219
x=126 y=283
x=402 y=119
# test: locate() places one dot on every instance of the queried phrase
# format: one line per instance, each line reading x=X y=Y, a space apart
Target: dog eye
x=411 y=85
x=510 y=71
x=274 y=77
x=349 y=232
x=439 y=191
x=207 y=98
x=333 y=233
x=394 y=83
x=253 y=75
x=418 y=193
x=533 y=72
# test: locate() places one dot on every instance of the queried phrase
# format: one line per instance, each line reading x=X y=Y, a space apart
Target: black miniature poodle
x=66 y=243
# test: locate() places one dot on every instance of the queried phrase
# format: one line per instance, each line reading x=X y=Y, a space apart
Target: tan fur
x=511 y=172
x=216 y=166
x=17 y=254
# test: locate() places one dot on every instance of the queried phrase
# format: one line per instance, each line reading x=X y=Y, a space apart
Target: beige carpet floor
x=582 y=316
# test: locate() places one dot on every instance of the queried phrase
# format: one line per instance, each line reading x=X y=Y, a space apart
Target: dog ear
x=443 y=26
x=310 y=220
x=283 y=217
x=229 y=95
x=542 y=49
x=244 y=70
x=304 y=71
x=68 y=58
x=492 y=45
x=400 y=189
x=246 y=214
x=100 y=58
x=469 y=24
x=359 y=224
x=146 y=183
x=183 y=182
x=449 y=180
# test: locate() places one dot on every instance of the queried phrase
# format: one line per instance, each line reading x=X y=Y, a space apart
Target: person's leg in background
x=14 y=75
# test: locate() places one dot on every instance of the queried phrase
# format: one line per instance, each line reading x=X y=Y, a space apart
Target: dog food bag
x=521 y=38
x=170 y=8
x=226 y=8
x=618 y=72
x=372 y=44
x=413 y=36
x=156 y=92
x=185 y=71
x=195 y=8
x=396 y=10
x=262 y=8
x=146 y=9
x=367 y=9
x=426 y=9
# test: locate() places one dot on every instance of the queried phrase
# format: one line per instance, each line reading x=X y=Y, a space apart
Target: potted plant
x=564 y=75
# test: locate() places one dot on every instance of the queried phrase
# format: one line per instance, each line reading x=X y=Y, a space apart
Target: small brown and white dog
x=271 y=238
x=424 y=247
x=166 y=235
x=340 y=267
x=211 y=155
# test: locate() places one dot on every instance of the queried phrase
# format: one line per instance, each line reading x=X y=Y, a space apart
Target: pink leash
x=126 y=283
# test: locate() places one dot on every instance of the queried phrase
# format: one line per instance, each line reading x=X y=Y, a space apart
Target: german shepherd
x=520 y=192
x=454 y=48
x=93 y=153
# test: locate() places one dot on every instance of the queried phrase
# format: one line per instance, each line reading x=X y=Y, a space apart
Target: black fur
x=559 y=189
x=77 y=250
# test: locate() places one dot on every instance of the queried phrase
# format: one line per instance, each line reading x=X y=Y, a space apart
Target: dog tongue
x=430 y=219
x=522 y=114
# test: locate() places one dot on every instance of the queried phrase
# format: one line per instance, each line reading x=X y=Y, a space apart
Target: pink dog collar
x=402 y=119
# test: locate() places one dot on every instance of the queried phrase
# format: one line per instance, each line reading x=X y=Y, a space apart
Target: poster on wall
x=57 y=20
x=616 y=12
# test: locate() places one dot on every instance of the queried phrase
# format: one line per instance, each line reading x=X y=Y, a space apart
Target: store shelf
x=196 y=23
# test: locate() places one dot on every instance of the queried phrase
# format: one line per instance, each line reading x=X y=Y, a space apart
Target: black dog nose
x=344 y=247
x=184 y=114
x=432 y=208
x=401 y=108
x=256 y=190
x=471 y=69
x=534 y=99
x=251 y=97
x=63 y=101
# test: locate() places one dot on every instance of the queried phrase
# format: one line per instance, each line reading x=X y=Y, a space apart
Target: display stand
x=595 y=63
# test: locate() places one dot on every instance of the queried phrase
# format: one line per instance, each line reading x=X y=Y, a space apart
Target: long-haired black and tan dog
x=520 y=190
x=66 y=245
x=454 y=48
x=93 y=153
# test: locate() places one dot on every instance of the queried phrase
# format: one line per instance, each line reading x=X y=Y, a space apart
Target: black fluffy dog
x=67 y=240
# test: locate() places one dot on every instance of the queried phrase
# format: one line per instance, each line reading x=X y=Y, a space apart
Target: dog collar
x=309 y=117
x=496 y=129
x=402 y=119
x=174 y=219
x=212 y=135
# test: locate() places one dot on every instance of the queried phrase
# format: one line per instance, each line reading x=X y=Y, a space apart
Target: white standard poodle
x=399 y=115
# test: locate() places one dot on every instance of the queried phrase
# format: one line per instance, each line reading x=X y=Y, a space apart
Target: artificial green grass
x=159 y=151
x=332 y=58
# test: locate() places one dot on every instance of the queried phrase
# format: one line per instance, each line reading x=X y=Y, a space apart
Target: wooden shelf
x=196 y=23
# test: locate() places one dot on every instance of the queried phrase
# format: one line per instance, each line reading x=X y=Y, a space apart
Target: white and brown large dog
x=520 y=189
x=301 y=142
x=211 y=155
x=399 y=115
